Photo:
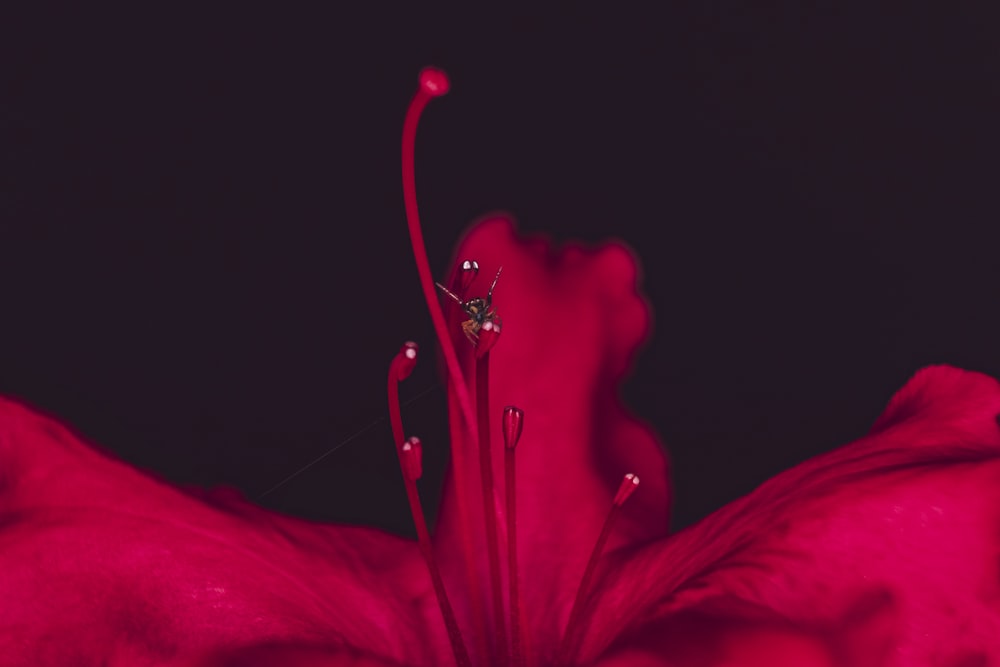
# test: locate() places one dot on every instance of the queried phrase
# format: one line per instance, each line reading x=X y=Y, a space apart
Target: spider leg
x=489 y=295
x=469 y=329
x=449 y=293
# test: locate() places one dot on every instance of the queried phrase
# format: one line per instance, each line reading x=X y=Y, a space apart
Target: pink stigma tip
x=470 y=269
x=412 y=452
x=628 y=486
x=513 y=424
x=434 y=81
x=407 y=360
x=489 y=334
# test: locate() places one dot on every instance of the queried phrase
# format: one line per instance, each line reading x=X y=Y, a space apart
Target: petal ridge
x=126 y=568
x=574 y=321
x=912 y=507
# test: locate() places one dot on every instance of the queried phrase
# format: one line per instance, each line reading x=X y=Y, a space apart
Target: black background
x=205 y=266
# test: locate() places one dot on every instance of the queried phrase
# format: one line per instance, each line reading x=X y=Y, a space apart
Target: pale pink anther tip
x=628 y=486
x=406 y=360
x=513 y=424
x=434 y=81
x=412 y=455
x=470 y=269
x=489 y=334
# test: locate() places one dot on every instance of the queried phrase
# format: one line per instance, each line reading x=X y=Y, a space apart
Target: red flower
x=884 y=552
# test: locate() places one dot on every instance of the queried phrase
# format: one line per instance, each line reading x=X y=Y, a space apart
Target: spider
x=477 y=309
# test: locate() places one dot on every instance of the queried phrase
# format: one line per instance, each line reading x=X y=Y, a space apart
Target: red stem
x=419 y=521
x=574 y=626
x=489 y=508
x=420 y=100
x=567 y=649
x=472 y=576
x=451 y=623
x=516 y=648
x=461 y=391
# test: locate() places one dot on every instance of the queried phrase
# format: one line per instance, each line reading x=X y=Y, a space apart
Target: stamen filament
x=410 y=454
x=472 y=580
x=570 y=645
x=513 y=420
x=489 y=508
x=434 y=83
x=411 y=472
x=400 y=369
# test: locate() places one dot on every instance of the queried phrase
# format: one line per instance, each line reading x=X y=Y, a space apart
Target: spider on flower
x=478 y=309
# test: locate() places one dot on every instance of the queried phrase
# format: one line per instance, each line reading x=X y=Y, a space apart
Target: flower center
x=471 y=429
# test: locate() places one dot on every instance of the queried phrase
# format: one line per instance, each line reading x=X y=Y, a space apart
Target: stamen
x=513 y=423
x=628 y=486
x=433 y=83
x=412 y=459
x=470 y=269
x=410 y=462
x=569 y=646
x=472 y=581
x=489 y=508
x=400 y=368
x=489 y=334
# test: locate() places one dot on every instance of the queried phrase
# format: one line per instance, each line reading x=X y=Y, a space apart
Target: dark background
x=205 y=267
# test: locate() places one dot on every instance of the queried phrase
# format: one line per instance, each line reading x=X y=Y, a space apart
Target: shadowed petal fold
x=573 y=321
x=909 y=514
x=104 y=565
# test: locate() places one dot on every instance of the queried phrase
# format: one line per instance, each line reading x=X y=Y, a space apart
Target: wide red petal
x=103 y=565
x=281 y=654
x=727 y=632
x=910 y=513
x=573 y=320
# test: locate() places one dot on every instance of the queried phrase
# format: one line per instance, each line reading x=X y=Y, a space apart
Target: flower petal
x=696 y=641
x=102 y=564
x=912 y=511
x=297 y=654
x=727 y=632
x=573 y=320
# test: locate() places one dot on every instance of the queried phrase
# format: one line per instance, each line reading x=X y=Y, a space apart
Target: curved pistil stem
x=434 y=83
